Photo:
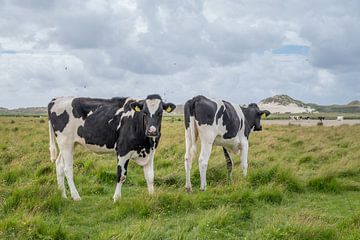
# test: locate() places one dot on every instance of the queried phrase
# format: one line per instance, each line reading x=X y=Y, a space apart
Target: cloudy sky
x=242 y=51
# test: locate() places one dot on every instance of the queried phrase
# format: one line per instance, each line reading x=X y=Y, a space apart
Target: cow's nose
x=152 y=129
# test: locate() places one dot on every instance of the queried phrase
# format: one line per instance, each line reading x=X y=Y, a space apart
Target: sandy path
x=310 y=122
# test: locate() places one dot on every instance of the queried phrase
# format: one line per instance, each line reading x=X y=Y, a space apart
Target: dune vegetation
x=302 y=183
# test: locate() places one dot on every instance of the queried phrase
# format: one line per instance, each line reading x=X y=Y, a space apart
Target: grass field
x=303 y=183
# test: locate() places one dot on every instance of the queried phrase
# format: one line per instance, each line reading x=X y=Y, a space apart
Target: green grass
x=302 y=183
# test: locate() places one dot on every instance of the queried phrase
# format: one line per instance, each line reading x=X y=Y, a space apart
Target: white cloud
x=217 y=48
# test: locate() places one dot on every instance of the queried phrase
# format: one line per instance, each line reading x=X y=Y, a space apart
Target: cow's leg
x=67 y=154
x=149 y=174
x=189 y=157
x=60 y=174
x=203 y=162
x=229 y=164
x=121 y=175
x=244 y=155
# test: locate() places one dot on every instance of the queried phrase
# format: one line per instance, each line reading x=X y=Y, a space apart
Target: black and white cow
x=129 y=127
x=220 y=123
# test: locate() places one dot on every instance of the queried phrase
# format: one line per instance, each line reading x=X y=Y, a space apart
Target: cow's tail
x=52 y=148
x=191 y=131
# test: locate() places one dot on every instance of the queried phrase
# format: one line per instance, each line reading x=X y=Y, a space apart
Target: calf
x=220 y=123
x=126 y=126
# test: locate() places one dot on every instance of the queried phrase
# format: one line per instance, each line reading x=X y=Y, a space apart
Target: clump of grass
x=138 y=207
x=44 y=171
x=170 y=180
x=6 y=157
x=174 y=203
x=42 y=121
x=306 y=159
x=243 y=198
x=10 y=177
x=106 y=177
x=299 y=232
x=270 y=195
x=297 y=143
x=276 y=175
x=12 y=202
x=325 y=184
x=54 y=203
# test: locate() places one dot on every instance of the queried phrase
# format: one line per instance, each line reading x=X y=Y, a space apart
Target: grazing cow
x=340 y=118
x=220 y=123
x=126 y=126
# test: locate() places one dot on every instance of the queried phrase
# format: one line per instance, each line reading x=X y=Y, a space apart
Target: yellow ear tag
x=137 y=109
x=168 y=109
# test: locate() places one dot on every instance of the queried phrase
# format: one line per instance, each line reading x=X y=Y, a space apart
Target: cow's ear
x=136 y=106
x=169 y=107
x=266 y=112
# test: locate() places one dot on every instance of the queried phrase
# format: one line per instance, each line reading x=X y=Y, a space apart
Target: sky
x=240 y=51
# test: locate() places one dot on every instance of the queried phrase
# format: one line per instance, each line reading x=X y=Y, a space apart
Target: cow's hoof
x=202 y=189
x=188 y=189
x=76 y=198
x=116 y=198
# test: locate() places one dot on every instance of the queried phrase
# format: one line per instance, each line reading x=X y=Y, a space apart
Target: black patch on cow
x=125 y=166
x=230 y=120
x=118 y=173
x=100 y=128
x=58 y=122
x=202 y=108
x=219 y=114
x=153 y=96
x=83 y=106
x=188 y=107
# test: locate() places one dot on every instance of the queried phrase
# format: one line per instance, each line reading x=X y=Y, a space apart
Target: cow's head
x=254 y=115
x=152 y=109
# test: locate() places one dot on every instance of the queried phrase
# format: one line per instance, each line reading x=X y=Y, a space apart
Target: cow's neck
x=249 y=121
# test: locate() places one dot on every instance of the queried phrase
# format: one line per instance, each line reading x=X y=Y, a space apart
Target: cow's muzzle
x=152 y=132
x=258 y=128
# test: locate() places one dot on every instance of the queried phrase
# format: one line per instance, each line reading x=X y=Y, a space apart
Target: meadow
x=302 y=183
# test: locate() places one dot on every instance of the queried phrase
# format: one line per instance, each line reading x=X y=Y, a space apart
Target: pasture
x=302 y=183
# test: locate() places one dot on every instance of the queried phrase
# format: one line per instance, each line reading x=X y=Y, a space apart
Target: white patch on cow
x=127 y=114
x=153 y=105
x=91 y=112
x=110 y=120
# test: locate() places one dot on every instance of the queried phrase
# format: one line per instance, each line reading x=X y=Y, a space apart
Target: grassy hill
x=303 y=183
x=283 y=100
x=24 y=111
x=352 y=107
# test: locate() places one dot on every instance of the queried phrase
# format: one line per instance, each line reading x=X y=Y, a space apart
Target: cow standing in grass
x=126 y=126
x=220 y=123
